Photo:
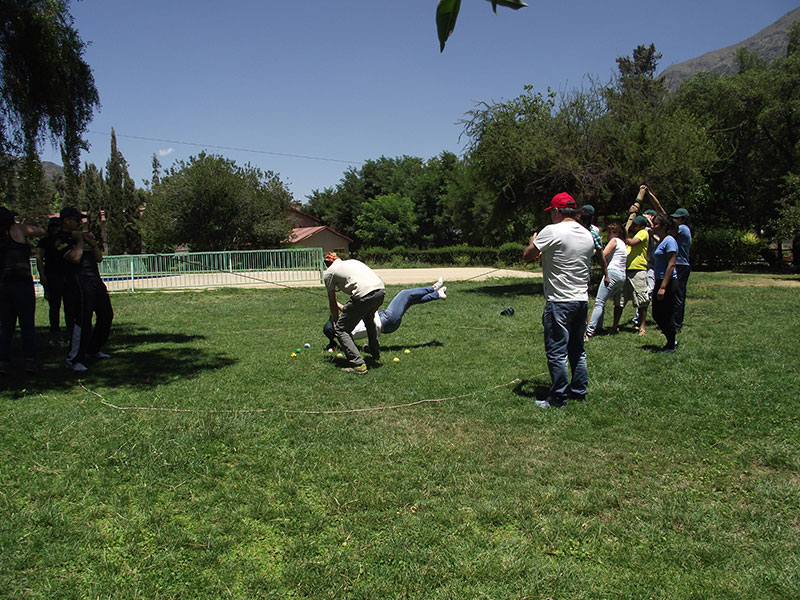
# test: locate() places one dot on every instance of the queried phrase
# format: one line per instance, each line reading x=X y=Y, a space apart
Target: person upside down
x=389 y=319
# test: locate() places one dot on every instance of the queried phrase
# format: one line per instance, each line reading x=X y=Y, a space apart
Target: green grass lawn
x=678 y=478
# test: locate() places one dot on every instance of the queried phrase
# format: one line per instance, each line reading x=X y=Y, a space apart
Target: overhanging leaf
x=446 y=15
x=515 y=4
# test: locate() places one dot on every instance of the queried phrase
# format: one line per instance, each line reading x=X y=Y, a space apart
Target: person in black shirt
x=17 y=295
x=84 y=290
x=52 y=274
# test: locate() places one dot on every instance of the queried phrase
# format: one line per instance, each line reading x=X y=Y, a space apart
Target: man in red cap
x=566 y=249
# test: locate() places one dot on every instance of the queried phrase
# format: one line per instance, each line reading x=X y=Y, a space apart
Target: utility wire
x=149 y=139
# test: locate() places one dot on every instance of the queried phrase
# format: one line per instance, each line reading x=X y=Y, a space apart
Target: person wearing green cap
x=682 y=265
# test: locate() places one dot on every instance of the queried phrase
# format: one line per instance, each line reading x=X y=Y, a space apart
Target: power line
x=284 y=154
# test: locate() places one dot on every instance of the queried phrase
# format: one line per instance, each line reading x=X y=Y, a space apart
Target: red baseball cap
x=562 y=200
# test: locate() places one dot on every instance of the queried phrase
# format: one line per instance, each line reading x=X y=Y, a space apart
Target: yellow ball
x=340 y=355
x=293 y=355
x=395 y=359
x=406 y=351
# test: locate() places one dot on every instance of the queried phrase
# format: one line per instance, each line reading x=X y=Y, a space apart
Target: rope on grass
x=107 y=404
x=481 y=275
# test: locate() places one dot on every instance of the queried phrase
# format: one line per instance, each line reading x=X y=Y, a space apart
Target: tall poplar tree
x=116 y=172
x=92 y=198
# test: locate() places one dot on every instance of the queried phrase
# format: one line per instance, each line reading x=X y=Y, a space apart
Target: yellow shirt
x=637 y=255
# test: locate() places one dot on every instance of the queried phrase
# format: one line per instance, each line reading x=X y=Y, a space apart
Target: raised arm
x=634 y=208
x=531 y=252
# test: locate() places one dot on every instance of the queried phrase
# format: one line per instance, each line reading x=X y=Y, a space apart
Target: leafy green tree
x=210 y=203
x=46 y=88
x=424 y=182
x=511 y=155
x=753 y=119
x=429 y=195
x=387 y=221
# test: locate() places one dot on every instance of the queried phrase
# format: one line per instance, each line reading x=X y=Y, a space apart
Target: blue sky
x=308 y=89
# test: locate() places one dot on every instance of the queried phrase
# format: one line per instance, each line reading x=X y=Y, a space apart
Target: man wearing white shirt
x=566 y=249
x=366 y=291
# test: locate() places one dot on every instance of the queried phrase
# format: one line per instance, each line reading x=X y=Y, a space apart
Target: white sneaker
x=76 y=366
x=101 y=355
x=442 y=291
x=438 y=284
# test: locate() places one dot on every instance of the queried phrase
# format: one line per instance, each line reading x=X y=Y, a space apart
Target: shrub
x=725 y=247
x=461 y=256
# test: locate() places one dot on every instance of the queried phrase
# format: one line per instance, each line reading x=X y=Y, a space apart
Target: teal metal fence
x=251 y=268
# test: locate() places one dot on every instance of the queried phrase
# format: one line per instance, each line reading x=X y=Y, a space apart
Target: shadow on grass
x=141 y=359
x=431 y=344
x=385 y=350
x=513 y=289
x=537 y=389
x=653 y=348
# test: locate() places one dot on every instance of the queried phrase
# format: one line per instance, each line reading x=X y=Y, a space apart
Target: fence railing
x=252 y=268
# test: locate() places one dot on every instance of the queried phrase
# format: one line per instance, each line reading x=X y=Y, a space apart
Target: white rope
x=108 y=404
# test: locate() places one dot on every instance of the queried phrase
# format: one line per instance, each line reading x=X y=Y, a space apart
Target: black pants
x=55 y=294
x=17 y=300
x=664 y=311
x=680 y=294
x=88 y=296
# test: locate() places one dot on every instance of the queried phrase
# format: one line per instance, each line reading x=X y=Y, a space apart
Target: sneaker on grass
x=358 y=369
x=101 y=355
x=442 y=291
x=438 y=284
x=548 y=404
x=76 y=366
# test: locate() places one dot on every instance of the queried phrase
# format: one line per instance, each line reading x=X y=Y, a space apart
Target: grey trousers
x=358 y=309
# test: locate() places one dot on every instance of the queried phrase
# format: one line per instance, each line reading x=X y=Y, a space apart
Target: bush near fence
x=455 y=256
x=725 y=248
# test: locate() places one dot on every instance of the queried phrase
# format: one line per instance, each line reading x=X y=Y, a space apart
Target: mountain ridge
x=769 y=43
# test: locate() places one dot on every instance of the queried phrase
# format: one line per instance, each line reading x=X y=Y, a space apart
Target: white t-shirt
x=619 y=257
x=360 y=330
x=567 y=249
x=352 y=277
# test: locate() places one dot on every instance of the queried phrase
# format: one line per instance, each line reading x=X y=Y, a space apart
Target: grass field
x=678 y=478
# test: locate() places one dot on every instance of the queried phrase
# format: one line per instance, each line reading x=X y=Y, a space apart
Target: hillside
x=51 y=170
x=769 y=43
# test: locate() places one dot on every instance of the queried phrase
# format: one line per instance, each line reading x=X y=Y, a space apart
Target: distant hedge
x=725 y=248
x=457 y=256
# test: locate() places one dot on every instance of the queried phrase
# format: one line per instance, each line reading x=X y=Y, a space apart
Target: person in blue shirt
x=666 y=279
x=682 y=266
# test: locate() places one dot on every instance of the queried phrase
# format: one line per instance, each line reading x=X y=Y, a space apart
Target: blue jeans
x=604 y=292
x=564 y=325
x=393 y=315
